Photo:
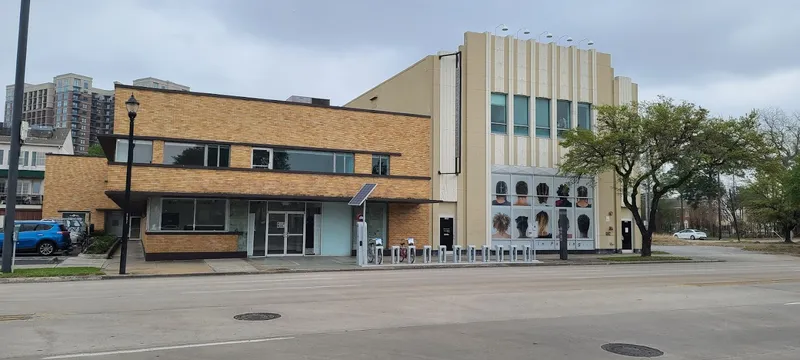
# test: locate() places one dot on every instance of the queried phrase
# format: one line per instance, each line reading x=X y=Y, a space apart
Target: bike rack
x=527 y=254
x=513 y=253
x=395 y=254
x=412 y=254
x=442 y=254
x=472 y=254
x=500 y=255
x=378 y=255
x=456 y=254
x=486 y=253
x=427 y=253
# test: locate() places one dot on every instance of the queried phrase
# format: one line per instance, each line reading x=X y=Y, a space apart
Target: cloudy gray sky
x=727 y=55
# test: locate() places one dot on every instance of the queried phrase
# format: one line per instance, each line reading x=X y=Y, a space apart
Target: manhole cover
x=632 y=350
x=257 y=316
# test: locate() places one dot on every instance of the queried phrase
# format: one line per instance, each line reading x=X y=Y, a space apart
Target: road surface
x=744 y=309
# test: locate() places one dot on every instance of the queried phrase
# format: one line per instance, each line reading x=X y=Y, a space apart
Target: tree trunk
x=787 y=234
x=647 y=243
x=680 y=226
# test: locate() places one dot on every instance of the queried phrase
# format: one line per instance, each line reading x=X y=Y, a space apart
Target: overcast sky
x=727 y=55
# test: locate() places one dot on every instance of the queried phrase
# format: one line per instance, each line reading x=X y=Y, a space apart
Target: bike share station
x=370 y=251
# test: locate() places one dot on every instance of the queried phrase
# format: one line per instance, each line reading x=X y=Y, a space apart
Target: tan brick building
x=225 y=176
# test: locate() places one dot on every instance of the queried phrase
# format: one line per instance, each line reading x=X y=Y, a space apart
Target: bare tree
x=782 y=132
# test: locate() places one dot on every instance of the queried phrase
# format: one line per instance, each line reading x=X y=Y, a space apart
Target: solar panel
x=362 y=195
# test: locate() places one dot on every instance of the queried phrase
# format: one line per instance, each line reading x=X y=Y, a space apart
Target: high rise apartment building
x=70 y=101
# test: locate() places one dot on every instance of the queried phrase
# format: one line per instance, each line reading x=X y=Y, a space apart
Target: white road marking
x=269 y=289
x=793 y=303
x=162 y=348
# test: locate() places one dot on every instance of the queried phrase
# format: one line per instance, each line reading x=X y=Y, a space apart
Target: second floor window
x=380 y=164
x=142 y=151
x=499 y=114
x=585 y=116
x=563 y=116
x=303 y=160
x=542 y=118
x=521 y=117
x=207 y=155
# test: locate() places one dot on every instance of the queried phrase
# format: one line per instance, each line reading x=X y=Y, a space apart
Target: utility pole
x=719 y=206
x=16 y=123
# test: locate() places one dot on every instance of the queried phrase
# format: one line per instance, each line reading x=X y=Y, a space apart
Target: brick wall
x=76 y=183
x=156 y=243
x=409 y=220
x=161 y=179
x=220 y=118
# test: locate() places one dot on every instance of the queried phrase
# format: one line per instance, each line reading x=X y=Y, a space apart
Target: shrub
x=100 y=244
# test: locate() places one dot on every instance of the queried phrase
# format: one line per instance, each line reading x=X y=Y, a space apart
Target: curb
x=376 y=268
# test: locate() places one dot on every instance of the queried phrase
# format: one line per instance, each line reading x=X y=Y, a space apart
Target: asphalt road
x=743 y=309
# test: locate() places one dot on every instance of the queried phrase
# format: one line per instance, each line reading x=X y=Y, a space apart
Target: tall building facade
x=499 y=107
x=72 y=102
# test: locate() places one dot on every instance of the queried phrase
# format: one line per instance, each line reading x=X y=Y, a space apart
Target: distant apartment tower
x=155 y=83
x=37 y=104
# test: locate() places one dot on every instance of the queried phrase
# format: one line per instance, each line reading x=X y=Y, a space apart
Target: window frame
x=549 y=116
x=588 y=107
x=527 y=125
x=381 y=159
x=194 y=215
x=492 y=123
x=253 y=156
x=334 y=155
x=561 y=130
x=135 y=142
x=205 y=153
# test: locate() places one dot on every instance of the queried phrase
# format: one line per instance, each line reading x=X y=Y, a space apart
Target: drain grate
x=632 y=350
x=16 y=317
x=257 y=316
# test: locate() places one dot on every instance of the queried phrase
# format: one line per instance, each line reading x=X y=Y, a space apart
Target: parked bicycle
x=405 y=254
x=372 y=245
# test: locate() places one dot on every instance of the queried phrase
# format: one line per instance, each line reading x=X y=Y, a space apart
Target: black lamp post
x=133 y=106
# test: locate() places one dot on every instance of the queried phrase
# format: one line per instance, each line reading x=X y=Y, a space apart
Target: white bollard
x=500 y=255
x=427 y=254
x=456 y=254
x=442 y=254
x=486 y=253
x=378 y=255
x=513 y=253
x=472 y=254
x=412 y=254
x=395 y=254
x=527 y=254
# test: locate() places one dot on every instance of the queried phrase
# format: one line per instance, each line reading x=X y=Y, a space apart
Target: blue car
x=41 y=236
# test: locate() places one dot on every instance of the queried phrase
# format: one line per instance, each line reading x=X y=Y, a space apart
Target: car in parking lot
x=690 y=234
x=41 y=236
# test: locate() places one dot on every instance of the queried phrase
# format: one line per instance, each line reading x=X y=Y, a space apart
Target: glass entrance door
x=285 y=233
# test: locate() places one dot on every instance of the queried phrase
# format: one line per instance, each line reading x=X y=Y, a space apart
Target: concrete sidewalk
x=136 y=265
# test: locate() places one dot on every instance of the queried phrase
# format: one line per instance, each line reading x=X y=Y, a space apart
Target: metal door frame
x=131 y=228
x=285 y=233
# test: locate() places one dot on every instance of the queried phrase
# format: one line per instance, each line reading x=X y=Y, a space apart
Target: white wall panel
x=521 y=66
x=499 y=65
x=543 y=70
x=544 y=152
x=563 y=73
x=522 y=151
x=499 y=149
x=625 y=90
x=448 y=183
x=585 y=94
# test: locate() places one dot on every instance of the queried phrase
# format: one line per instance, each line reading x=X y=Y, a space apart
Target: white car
x=690 y=234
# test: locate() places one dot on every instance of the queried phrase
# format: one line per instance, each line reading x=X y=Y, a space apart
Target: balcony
x=24 y=199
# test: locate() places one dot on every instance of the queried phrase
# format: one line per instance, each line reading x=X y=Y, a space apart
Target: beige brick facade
x=76 y=183
x=157 y=243
x=407 y=221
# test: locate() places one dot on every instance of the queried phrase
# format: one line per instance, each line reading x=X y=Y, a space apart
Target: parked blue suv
x=42 y=236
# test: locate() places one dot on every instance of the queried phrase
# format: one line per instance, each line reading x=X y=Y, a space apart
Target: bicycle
x=404 y=254
x=372 y=245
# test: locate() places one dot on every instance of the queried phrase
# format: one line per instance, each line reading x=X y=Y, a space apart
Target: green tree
x=96 y=150
x=662 y=143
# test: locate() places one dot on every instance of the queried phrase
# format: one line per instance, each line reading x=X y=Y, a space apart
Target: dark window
x=585 y=116
x=313 y=161
x=193 y=214
x=262 y=159
x=196 y=155
x=521 y=115
x=43 y=227
x=499 y=114
x=563 y=116
x=542 y=117
x=380 y=165
x=27 y=227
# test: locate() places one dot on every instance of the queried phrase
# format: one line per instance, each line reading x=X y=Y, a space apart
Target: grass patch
x=778 y=248
x=48 y=272
x=664 y=239
x=659 y=252
x=639 y=258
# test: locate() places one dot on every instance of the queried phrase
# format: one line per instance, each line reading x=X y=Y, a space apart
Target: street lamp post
x=16 y=123
x=132 y=106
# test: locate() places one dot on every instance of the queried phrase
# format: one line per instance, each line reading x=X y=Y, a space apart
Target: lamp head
x=132 y=105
